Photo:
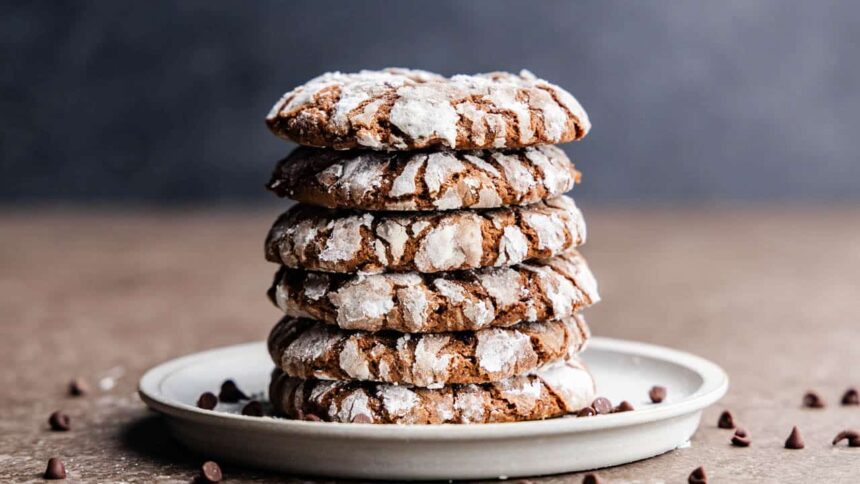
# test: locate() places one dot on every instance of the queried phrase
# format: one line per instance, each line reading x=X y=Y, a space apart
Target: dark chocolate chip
x=657 y=394
x=624 y=406
x=253 y=409
x=591 y=479
x=362 y=418
x=78 y=387
x=230 y=393
x=601 y=405
x=812 y=400
x=851 y=397
x=210 y=472
x=59 y=421
x=852 y=436
x=207 y=401
x=794 y=440
x=586 y=412
x=741 y=439
x=726 y=421
x=56 y=469
x=312 y=418
x=698 y=476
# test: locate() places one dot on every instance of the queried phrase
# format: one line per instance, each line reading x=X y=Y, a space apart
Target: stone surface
x=770 y=294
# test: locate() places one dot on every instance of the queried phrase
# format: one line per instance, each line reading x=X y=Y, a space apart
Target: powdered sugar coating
x=444 y=180
x=549 y=392
x=341 y=241
x=424 y=360
x=403 y=109
x=450 y=301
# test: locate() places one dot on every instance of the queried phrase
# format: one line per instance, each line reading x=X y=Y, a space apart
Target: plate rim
x=715 y=383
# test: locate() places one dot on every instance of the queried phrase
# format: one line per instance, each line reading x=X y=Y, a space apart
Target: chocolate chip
x=56 y=469
x=586 y=412
x=362 y=418
x=78 y=387
x=657 y=394
x=591 y=479
x=312 y=418
x=727 y=421
x=207 y=401
x=851 y=397
x=812 y=400
x=601 y=405
x=253 y=409
x=230 y=393
x=741 y=439
x=852 y=436
x=210 y=472
x=794 y=440
x=698 y=476
x=59 y=421
x=624 y=406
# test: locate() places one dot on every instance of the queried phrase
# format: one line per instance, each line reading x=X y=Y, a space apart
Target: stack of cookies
x=428 y=274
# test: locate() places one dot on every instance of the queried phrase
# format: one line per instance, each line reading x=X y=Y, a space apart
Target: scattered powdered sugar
x=301 y=235
x=365 y=299
x=404 y=184
x=393 y=232
x=282 y=297
x=430 y=365
x=315 y=286
x=360 y=175
x=503 y=285
x=480 y=313
x=414 y=302
x=483 y=165
x=571 y=383
x=560 y=291
x=470 y=402
x=355 y=404
x=451 y=291
x=507 y=96
x=499 y=350
x=311 y=344
x=523 y=393
x=419 y=226
x=353 y=361
x=330 y=175
x=345 y=239
x=441 y=166
x=554 y=117
x=449 y=200
x=488 y=198
x=555 y=178
x=425 y=111
x=397 y=400
x=549 y=229
x=518 y=175
x=451 y=245
x=513 y=246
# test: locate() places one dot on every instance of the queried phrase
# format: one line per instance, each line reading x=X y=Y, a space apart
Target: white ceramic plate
x=623 y=370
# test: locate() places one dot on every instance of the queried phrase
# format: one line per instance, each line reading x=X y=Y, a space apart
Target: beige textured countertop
x=773 y=295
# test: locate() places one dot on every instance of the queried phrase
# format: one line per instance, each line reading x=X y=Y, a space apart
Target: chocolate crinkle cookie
x=404 y=109
x=441 y=180
x=305 y=348
x=314 y=238
x=550 y=392
x=538 y=290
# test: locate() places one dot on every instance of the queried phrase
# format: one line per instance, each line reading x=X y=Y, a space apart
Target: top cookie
x=404 y=109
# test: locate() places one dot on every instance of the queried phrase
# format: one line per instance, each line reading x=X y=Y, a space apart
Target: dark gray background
x=163 y=102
